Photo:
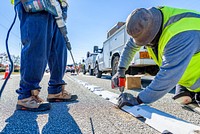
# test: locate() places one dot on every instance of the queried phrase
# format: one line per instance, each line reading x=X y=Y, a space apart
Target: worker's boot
x=197 y=98
x=63 y=96
x=33 y=103
x=184 y=97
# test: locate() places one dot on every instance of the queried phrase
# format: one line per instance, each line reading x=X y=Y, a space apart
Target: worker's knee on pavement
x=183 y=99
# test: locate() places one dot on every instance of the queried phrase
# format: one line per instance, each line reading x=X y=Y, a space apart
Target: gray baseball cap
x=143 y=25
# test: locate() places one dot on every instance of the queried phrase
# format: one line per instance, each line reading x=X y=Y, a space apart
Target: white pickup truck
x=107 y=60
x=89 y=62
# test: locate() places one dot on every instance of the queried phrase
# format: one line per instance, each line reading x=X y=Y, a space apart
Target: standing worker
x=172 y=37
x=42 y=43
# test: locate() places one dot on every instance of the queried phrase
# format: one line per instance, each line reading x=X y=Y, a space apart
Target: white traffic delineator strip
x=159 y=120
x=110 y=96
x=95 y=89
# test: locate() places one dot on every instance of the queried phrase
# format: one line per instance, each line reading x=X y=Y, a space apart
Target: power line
x=6 y=17
x=11 y=32
x=14 y=46
x=13 y=42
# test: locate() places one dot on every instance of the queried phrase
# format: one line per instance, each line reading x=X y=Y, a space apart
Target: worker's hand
x=64 y=13
x=127 y=99
x=69 y=47
x=115 y=79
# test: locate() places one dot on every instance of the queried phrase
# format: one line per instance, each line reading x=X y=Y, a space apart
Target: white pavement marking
x=159 y=120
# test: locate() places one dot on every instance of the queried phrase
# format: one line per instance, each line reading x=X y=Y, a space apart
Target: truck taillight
x=144 y=55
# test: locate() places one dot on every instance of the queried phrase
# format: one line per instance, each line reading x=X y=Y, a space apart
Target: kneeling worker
x=172 y=37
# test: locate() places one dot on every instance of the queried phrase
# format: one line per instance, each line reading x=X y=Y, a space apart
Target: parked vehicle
x=70 y=68
x=89 y=62
x=107 y=61
x=2 y=67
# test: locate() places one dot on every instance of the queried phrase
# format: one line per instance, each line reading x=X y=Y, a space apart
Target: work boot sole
x=197 y=99
x=73 y=98
x=42 y=107
x=182 y=95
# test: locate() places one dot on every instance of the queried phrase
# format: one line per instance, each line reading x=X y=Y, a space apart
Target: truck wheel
x=97 y=72
x=115 y=65
x=84 y=71
x=152 y=70
x=91 y=72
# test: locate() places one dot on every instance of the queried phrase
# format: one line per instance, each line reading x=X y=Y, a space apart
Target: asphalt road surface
x=91 y=114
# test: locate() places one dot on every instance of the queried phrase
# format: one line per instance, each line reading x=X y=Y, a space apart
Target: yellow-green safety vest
x=176 y=21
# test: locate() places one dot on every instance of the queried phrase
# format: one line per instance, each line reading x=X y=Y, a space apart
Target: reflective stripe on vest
x=176 y=21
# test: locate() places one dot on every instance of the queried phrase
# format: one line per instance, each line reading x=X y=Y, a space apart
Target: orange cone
x=6 y=72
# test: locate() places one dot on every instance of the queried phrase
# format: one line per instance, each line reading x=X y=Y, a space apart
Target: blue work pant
x=42 y=44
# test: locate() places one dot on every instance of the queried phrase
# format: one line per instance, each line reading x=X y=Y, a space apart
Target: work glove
x=64 y=5
x=69 y=46
x=127 y=99
x=64 y=13
x=120 y=74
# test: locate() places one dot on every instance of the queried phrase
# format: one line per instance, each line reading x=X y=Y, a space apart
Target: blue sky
x=88 y=21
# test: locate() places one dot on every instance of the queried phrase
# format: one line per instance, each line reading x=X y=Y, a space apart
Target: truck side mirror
x=95 y=49
x=88 y=54
x=83 y=60
x=101 y=50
